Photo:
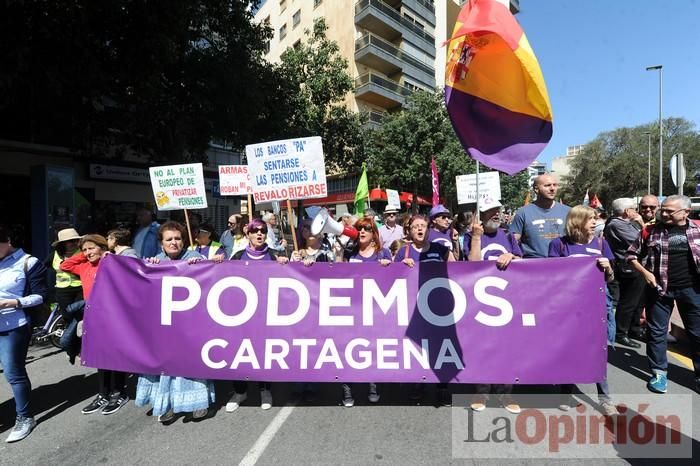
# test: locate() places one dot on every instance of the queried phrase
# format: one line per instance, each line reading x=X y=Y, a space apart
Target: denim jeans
x=13 y=354
x=688 y=301
x=611 y=315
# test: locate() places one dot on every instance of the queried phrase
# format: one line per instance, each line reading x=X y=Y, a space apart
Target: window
x=283 y=5
x=297 y=44
x=283 y=31
x=317 y=3
x=296 y=19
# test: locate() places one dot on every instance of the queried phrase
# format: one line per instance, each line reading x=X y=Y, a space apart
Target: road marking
x=266 y=437
x=686 y=361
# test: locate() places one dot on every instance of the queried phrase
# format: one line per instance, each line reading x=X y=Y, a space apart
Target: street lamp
x=661 y=127
x=648 y=133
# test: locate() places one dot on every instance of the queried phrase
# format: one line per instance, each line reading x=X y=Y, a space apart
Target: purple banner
x=541 y=321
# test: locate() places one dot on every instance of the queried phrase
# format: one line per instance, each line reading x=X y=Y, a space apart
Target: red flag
x=595 y=203
x=436 y=182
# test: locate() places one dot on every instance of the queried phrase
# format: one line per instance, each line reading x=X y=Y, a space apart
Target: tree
x=614 y=164
x=514 y=189
x=162 y=78
x=399 y=152
x=316 y=82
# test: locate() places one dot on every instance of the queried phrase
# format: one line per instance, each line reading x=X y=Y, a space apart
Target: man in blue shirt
x=536 y=224
x=146 y=238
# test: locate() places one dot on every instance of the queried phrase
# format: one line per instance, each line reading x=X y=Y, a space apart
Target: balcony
x=383 y=56
x=374 y=119
x=380 y=91
x=381 y=19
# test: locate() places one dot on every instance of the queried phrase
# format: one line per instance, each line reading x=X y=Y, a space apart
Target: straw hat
x=66 y=235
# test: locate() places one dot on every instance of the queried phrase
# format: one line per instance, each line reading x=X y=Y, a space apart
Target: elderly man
x=620 y=232
x=538 y=223
x=278 y=245
x=647 y=209
x=390 y=231
x=227 y=237
x=673 y=275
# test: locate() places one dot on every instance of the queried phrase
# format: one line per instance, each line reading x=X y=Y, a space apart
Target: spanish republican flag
x=494 y=89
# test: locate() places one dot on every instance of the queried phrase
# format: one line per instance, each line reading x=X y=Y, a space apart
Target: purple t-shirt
x=562 y=247
x=435 y=236
x=435 y=253
x=265 y=257
x=377 y=256
x=493 y=245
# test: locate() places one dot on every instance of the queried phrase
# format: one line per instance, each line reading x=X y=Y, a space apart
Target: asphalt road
x=395 y=431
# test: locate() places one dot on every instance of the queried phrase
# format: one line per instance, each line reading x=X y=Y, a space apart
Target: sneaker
x=169 y=416
x=373 y=395
x=23 y=427
x=115 y=404
x=609 y=409
x=510 y=404
x=569 y=402
x=348 y=400
x=236 y=401
x=478 y=403
x=444 y=397
x=265 y=399
x=658 y=383
x=417 y=392
x=95 y=405
x=79 y=329
x=199 y=413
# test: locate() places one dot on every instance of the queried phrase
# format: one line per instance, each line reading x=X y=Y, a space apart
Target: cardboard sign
x=287 y=169
x=489 y=186
x=234 y=180
x=392 y=198
x=178 y=187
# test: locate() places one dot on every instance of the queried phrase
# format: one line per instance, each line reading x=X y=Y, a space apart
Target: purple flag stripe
x=497 y=137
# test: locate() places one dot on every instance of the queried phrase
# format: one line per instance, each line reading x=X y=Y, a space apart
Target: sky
x=593 y=54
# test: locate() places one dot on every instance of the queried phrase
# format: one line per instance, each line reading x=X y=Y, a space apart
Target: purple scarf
x=255 y=252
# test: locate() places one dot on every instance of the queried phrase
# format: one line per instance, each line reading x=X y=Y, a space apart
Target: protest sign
x=392 y=198
x=177 y=187
x=489 y=187
x=234 y=180
x=287 y=169
x=261 y=320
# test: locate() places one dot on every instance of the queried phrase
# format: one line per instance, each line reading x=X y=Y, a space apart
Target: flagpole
x=477 y=187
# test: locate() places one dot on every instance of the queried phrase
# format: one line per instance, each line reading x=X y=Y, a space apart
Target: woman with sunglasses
x=368 y=248
x=417 y=250
x=440 y=231
x=256 y=250
x=207 y=244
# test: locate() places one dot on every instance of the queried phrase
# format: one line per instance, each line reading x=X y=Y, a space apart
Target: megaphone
x=324 y=223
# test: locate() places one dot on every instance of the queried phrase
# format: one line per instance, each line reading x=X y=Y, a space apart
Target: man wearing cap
x=68 y=288
x=487 y=241
x=440 y=221
x=390 y=231
x=538 y=223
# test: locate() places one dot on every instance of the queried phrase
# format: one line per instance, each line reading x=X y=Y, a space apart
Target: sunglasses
x=258 y=230
x=231 y=224
x=650 y=207
x=366 y=228
x=443 y=216
x=391 y=215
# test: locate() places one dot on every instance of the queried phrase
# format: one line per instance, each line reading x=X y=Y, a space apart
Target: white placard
x=234 y=180
x=287 y=169
x=489 y=186
x=179 y=186
x=392 y=198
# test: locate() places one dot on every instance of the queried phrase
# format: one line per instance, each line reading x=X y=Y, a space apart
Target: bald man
x=538 y=223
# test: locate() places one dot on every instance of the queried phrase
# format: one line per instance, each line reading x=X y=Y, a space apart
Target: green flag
x=362 y=192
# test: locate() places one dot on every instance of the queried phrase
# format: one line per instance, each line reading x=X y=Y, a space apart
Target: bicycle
x=52 y=330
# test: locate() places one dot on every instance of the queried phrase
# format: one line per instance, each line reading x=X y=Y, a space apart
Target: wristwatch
x=19 y=304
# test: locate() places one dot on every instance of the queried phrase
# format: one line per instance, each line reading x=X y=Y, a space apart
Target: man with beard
x=536 y=224
x=672 y=274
